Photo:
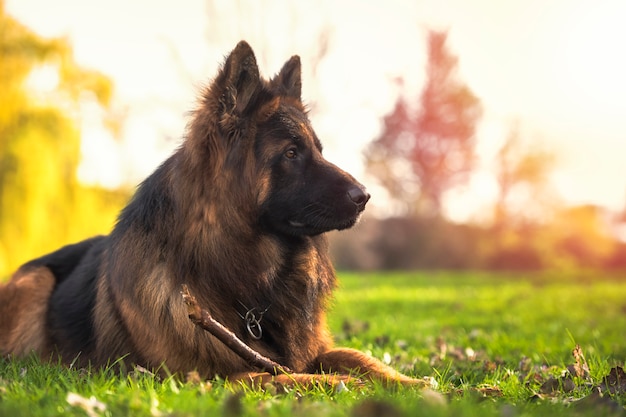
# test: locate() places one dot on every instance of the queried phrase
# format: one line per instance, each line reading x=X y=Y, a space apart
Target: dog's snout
x=358 y=196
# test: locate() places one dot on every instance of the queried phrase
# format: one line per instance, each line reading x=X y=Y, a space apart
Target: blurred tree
x=521 y=170
x=42 y=205
x=582 y=237
x=518 y=239
x=423 y=153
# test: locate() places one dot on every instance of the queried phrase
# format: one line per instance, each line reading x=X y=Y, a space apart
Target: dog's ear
x=241 y=80
x=288 y=82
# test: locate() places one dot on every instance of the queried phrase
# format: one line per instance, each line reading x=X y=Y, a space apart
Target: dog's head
x=267 y=145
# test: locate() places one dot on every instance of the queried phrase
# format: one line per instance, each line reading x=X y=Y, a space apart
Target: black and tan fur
x=238 y=213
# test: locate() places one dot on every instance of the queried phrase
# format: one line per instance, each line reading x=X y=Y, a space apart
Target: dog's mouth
x=321 y=225
x=325 y=225
x=319 y=218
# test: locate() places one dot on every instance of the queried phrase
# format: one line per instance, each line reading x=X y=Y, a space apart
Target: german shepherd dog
x=238 y=214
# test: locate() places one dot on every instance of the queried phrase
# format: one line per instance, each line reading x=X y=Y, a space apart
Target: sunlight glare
x=43 y=79
x=474 y=201
x=593 y=54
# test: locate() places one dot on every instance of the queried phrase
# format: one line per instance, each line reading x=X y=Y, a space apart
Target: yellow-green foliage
x=42 y=204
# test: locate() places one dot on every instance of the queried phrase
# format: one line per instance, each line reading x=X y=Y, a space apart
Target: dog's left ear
x=288 y=82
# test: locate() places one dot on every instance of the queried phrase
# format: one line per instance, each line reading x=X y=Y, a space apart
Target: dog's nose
x=358 y=196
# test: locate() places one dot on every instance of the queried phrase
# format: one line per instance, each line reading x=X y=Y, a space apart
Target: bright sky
x=557 y=67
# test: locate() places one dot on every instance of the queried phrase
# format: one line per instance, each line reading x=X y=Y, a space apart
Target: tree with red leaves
x=424 y=152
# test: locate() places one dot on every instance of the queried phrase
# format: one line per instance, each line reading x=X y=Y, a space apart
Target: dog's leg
x=23 y=307
x=331 y=368
x=353 y=362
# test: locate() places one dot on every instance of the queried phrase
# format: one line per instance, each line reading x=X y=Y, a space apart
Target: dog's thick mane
x=188 y=198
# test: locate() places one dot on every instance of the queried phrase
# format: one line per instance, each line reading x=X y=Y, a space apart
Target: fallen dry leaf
x=614 y=382
x=489 y=391
x=90 y=405
x=557 y=385
x=580 y=367
x=599 y=404
x=483 y=391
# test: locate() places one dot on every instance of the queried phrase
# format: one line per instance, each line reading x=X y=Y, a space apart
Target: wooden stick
x=202 y=318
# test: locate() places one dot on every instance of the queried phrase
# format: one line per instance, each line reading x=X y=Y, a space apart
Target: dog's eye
x=291 y=153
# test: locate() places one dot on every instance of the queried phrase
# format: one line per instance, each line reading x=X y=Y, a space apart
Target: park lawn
x=492 y=345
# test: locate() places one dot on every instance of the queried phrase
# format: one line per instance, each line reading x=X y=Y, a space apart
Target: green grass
x=492 y=342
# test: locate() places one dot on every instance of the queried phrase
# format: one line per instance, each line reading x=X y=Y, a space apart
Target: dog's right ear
x=240 y=82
